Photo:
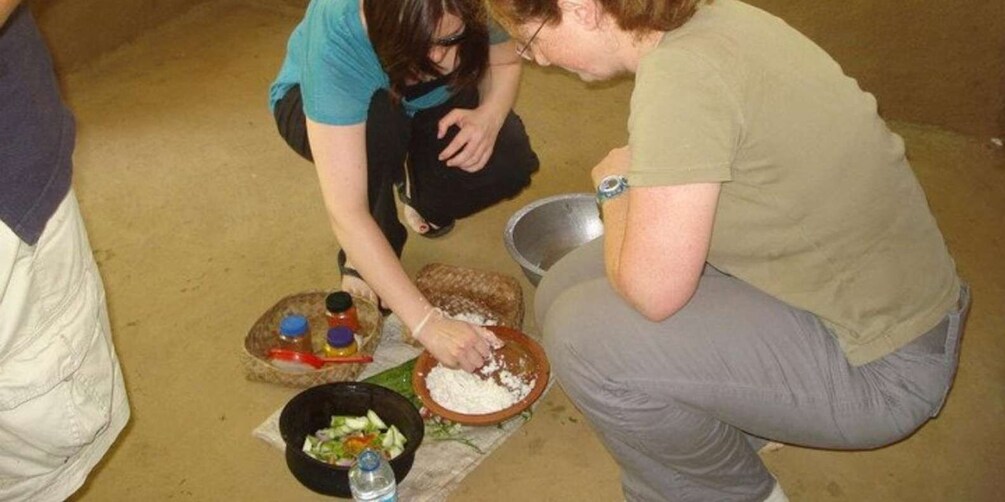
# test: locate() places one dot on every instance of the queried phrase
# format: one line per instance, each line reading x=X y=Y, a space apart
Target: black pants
x=441 y=194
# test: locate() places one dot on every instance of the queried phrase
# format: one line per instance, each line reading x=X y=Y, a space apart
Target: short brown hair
x=402 y=33
x=638 y=16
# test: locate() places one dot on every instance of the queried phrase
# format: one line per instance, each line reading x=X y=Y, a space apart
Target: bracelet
x=422 y=323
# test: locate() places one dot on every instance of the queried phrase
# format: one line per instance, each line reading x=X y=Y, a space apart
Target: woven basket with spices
x=493 y=296
x=263 y=337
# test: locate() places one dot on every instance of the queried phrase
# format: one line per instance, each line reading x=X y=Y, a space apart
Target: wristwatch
x=610 y=187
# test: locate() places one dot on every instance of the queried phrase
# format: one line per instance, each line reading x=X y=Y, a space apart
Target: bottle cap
x=368 y=460
x=340 y=336
x=293 y=325
x=338 y=301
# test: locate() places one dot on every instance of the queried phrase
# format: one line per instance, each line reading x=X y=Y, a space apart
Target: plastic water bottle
x=371 y=479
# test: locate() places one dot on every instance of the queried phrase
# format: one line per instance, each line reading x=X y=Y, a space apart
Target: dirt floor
x=201 y=218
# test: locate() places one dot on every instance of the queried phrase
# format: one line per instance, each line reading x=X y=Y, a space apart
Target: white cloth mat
x=440 y=465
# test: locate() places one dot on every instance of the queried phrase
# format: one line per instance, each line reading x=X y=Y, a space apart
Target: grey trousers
x=682 y=404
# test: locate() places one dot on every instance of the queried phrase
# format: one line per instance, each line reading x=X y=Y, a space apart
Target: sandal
x=433 y=231
x=351 y=272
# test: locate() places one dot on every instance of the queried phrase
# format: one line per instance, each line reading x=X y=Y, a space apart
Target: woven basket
x=263 y=336
x=459 y=290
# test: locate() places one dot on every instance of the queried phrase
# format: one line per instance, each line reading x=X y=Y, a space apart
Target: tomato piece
x=356 y=443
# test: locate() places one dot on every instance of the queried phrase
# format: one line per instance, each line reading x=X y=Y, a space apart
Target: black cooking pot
x=312 y=410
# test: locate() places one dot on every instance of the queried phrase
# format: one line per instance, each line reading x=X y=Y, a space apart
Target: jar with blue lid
x=340 y=342
x=295 y=334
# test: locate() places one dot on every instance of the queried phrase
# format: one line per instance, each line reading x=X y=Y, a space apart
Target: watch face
x=611 y=187
x=609 y=183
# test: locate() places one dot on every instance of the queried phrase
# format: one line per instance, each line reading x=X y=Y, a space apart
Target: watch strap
x=605 y=193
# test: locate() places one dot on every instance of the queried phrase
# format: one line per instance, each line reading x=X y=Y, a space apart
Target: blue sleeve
x=497 y=35
x=340 y=71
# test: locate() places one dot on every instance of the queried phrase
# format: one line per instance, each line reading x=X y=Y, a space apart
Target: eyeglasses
x=522 y=51
x=451 y=40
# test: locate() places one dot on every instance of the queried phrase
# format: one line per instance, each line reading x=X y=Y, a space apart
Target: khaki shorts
x=62 y=398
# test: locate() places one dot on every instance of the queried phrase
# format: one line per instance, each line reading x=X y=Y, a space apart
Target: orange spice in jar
x=340 y=311
x=294 y=334
x=340 y=342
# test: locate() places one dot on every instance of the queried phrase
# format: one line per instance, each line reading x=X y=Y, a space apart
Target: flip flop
x=432 y=233
x=351 y=272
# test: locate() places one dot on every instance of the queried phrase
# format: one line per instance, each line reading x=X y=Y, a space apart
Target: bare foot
x=415 y=220
x=771 y=446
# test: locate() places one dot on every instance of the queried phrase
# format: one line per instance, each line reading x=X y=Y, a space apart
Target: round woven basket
x=263 y=336
x=459 y=290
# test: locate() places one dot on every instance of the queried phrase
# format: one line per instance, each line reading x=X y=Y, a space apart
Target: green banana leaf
x=398 y=379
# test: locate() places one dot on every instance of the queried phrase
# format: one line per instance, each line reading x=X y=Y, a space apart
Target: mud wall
x=939 y=63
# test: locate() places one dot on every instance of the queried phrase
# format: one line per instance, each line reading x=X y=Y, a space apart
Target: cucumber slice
x=356 y=423
x=341 y=430
x=399 y=438
x=375 y=420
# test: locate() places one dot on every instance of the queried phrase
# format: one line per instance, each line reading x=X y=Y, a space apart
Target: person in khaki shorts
x=62 y=397
x=769 y=270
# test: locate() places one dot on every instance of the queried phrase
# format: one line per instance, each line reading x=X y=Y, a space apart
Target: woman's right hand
x=456 y=343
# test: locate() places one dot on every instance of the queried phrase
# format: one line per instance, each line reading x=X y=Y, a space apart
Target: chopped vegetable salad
x=347 y=437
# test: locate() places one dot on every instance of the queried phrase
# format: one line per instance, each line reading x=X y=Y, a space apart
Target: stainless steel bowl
x=544 y=231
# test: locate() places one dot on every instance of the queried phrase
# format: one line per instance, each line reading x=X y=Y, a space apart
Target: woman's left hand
x=472 y=147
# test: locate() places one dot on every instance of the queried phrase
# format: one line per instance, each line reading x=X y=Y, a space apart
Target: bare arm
x=473 y=145
x=340 y=160
x=6 y=8
x=499 y=86
x=656 y=240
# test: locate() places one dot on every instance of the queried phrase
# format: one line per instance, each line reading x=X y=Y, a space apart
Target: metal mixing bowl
x=544 y=231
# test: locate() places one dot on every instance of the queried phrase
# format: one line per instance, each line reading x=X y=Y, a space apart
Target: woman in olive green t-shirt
x=770 y=269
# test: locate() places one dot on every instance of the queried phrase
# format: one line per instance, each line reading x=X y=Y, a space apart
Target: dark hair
x=638 y=16
x=402 y=33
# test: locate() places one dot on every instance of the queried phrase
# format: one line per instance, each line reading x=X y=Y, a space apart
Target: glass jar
x=294 y=334
x=341 y=311
x=340 y=342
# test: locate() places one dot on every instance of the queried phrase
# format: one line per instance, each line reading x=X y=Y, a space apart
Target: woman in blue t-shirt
x=413 y=96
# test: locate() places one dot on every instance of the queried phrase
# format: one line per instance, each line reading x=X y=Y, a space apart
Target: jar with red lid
x=340 y=311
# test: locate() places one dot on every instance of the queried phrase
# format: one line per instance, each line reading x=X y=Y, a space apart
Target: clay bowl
x=521 y=355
